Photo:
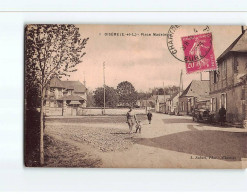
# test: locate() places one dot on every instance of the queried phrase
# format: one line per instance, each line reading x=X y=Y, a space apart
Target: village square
x=199 y=125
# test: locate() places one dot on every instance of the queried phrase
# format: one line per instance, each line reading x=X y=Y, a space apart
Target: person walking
x=131 y=119
x=149 y=115
x=222 y=114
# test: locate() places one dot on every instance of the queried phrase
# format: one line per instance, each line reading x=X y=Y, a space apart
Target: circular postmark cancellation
x=192 y=45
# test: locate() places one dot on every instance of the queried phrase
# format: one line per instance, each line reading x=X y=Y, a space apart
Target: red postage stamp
x=198 y=53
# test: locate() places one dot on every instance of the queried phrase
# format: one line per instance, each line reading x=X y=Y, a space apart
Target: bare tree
x=50 y=51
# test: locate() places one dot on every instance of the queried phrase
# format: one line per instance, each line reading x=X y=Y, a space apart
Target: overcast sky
x=142 y=60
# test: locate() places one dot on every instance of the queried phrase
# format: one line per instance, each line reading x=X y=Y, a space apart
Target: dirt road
x=169 y=142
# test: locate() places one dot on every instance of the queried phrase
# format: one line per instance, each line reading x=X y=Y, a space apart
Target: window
x=235 y=64
x=215 y=77
x=223 y=100
x=214 y=104
x=224 y=69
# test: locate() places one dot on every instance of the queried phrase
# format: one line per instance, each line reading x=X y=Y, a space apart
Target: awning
x=74 y=103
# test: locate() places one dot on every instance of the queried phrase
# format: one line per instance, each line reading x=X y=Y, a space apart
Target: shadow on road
x=177 y=120
x=216 y=144
x=189 y=120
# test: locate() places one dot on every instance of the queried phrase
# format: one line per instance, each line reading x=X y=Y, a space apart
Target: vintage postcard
x=135 y=96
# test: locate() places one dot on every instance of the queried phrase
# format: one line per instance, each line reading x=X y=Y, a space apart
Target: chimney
x=242 y=27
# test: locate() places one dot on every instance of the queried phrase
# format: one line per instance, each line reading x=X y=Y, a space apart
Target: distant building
x=160 y=103
x=194 y=93
x=172 y=103
x=147 y=104
x=64 y=97
x=228 y=85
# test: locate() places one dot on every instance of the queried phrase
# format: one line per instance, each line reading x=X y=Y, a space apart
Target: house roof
x=56 y=82
x=174 y=95
x=71 y=97
x=77 y=86
x=239 y=45
x=196 y=89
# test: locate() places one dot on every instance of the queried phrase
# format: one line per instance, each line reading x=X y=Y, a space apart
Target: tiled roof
x=77 y=86
x=56 y=82
x=197 y=89
x=71 y=97
x=174 y=95
x=239 y=45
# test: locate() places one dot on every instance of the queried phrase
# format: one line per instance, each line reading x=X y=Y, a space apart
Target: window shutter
x=216 y=104
x=211 y=102
x=225 y=100
x=220 y=101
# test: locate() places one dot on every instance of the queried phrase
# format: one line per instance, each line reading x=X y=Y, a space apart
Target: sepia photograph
x=135 y=96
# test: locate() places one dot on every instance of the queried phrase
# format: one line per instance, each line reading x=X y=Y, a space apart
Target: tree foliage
x=111 y=97
x=90 y=99
x=143 y=95
x=127 y=94
x=168 y=90
x=50 y=51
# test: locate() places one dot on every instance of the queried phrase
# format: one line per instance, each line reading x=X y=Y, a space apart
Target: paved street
x=170 y=141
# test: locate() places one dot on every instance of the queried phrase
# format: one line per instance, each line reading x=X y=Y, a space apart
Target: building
x=160 y=103
x=65 y=97
x=228 y=86
x=147 y=104
x=172 y=103
x=197 y=91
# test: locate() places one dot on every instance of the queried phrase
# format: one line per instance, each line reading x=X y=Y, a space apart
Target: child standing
x=149 y=115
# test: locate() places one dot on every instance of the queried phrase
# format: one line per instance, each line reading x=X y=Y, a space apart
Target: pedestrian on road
x=149 y=115
x=131 y=119
x=222 y=113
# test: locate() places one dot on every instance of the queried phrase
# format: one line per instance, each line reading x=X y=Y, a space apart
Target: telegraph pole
x=104 y=84
x=146 y=103
x=164 y=97
x=181 y=82
x=84 y=81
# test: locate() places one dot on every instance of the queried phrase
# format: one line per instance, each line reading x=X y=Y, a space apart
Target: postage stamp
x=192 y=45
x=198 y=53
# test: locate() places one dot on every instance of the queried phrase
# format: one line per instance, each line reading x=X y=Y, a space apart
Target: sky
x=145 y=61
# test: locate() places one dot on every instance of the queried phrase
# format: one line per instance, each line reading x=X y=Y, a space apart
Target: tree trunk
x=42 y=129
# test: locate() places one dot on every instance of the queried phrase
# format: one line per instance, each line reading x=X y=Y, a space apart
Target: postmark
x=181 y=39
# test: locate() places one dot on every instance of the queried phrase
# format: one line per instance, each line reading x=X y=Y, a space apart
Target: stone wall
x=69 y=111
x=108 y=111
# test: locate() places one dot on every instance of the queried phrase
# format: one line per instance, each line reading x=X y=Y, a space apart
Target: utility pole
x=104 y=84
x=164 y=97
x=181 y=82
x=84 y=81
x=146 y=103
